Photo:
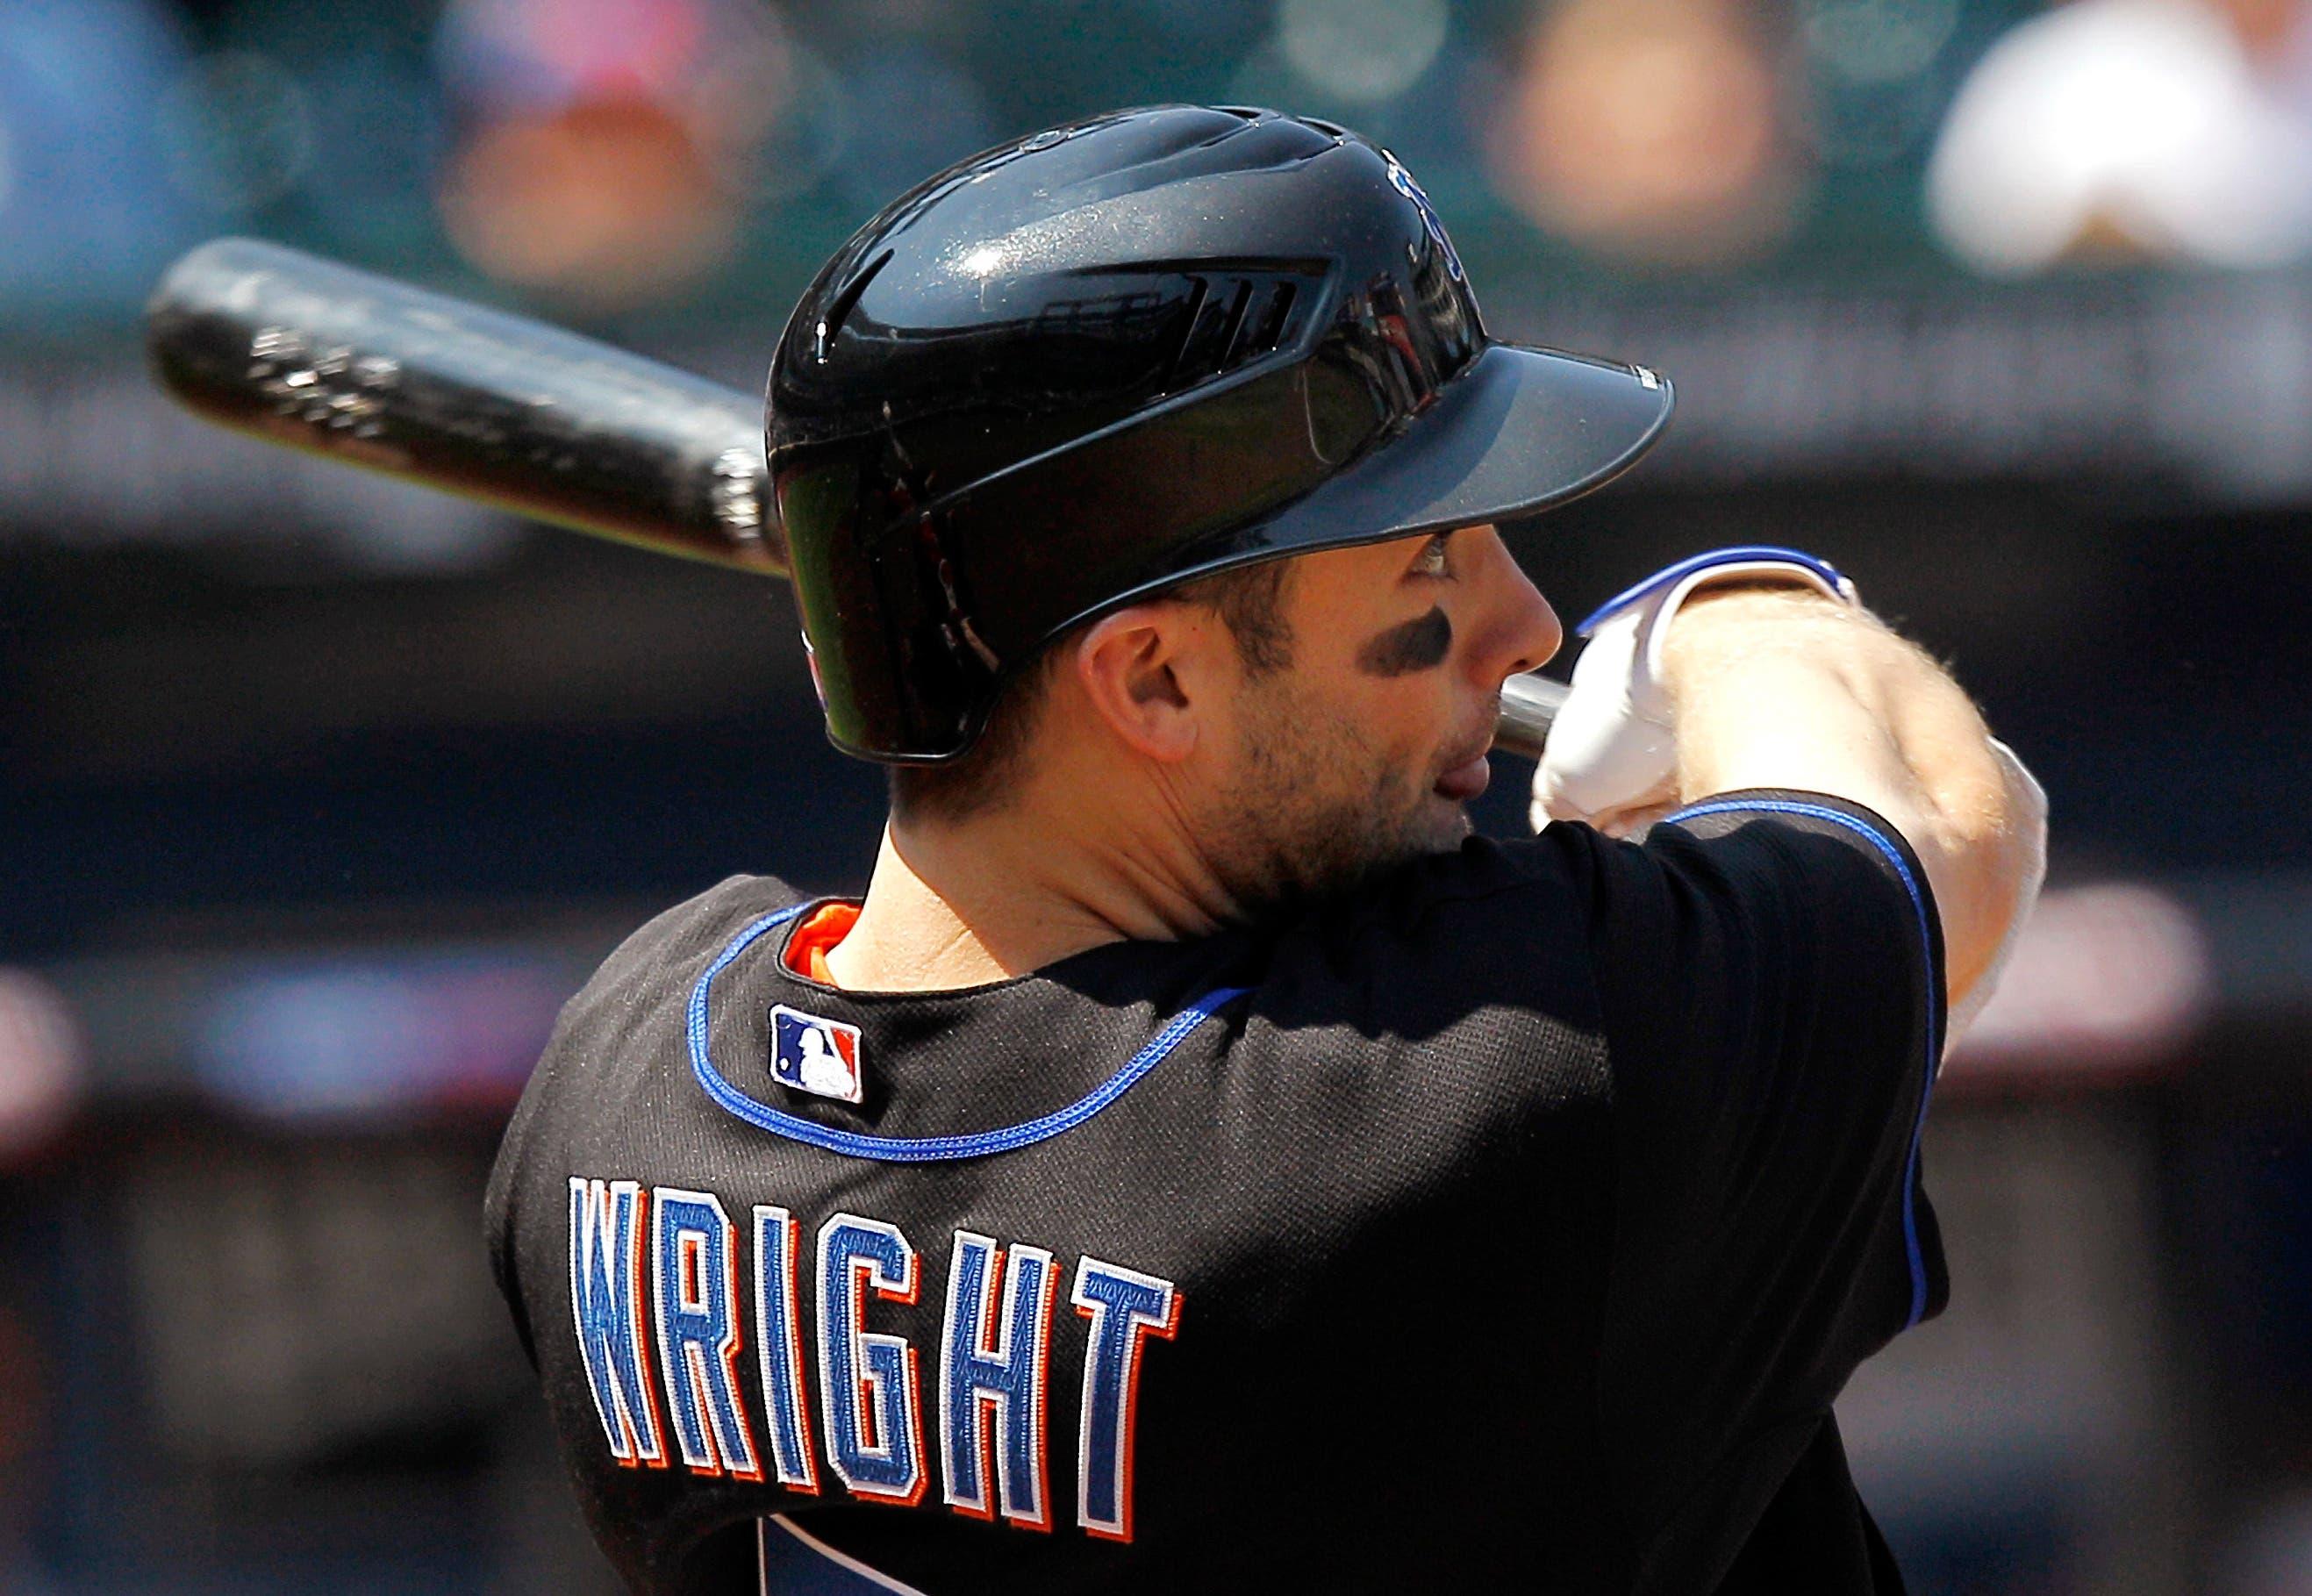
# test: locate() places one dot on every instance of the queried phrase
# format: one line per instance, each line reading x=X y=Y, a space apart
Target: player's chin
x=1444 y=824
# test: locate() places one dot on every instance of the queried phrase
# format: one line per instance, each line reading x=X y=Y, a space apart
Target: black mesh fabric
x=1525 y=1214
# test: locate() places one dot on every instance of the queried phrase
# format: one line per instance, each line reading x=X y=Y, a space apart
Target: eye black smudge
x=1419 y=645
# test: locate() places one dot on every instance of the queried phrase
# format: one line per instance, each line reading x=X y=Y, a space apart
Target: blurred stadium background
x=318 y=795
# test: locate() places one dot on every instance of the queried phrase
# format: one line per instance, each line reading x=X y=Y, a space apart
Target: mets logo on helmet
x=814 y=1054
x=1402 y=181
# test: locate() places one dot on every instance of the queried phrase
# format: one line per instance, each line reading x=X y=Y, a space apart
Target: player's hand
x=2028 y=800
x=1611 y=755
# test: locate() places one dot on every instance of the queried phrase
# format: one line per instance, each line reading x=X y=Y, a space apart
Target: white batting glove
x=1611 y=757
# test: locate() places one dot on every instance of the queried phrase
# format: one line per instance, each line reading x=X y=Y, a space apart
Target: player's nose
x=1521 y=631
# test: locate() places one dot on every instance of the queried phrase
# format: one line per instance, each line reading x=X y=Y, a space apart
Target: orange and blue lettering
x=608 y=1303
x=694 y=1260
x=994 y=1355
x=778 y=1348
x=1126 y=1307
x=869 y=1385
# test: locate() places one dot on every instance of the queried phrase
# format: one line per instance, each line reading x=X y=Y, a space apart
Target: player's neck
x=1012 y=891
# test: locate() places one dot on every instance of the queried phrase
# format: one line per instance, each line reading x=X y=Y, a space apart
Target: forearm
x=1781 y=688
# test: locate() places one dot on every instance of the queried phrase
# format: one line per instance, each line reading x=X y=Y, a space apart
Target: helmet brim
x=1521 y=430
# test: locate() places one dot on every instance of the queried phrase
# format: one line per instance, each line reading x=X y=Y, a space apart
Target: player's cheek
x=1435 y=720
x=1424 y=711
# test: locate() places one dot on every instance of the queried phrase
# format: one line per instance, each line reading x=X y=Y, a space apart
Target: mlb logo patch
x=814 y=1054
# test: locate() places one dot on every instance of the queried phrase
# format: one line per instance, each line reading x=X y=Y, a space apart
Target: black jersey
x=1516 y=1220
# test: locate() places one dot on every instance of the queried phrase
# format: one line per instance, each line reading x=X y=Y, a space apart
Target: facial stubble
x=1319 y=809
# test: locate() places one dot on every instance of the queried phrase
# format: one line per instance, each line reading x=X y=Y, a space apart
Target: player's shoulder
x=1572 y=869
x=1744 y=840
x=1526 y=917
x=1761 y=897
x=1531 y=885
x=659 y=962
x=709 y=919
x=1828 y=861
x=621 y=1032
x=1484 y=872
x=1497 y=924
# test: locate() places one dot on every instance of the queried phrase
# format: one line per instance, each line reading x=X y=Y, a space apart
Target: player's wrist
x=1742 y=565
x=1763 y=595
x=1613 y=752
x=1749 y=617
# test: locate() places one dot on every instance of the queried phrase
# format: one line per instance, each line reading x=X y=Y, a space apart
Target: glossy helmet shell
x=1137 y=349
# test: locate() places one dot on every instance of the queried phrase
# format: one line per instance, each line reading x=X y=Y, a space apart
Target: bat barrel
x=341 y=362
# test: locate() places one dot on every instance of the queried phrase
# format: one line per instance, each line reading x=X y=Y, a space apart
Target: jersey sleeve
x=1769 y=975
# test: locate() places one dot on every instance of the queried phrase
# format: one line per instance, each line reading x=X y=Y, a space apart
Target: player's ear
x=1148 y=671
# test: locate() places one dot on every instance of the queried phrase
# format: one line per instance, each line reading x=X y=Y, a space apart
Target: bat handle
x=1528 y=704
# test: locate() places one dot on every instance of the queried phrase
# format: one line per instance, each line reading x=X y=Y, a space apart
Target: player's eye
x=1431 y=560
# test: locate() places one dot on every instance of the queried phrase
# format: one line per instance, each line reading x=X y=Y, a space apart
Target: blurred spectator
x=2107 y=979
x=1874 y=76
x=41 y=1087
x=2161 y=128
x=42 y=1070
x=609 y=202
x=1648 y=128
x=607 y=137
x=365 y=122
x=1361 y=52
x=2270 y=1555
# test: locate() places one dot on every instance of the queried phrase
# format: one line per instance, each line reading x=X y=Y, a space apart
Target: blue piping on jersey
x=1781 y=806
x=925 y=1149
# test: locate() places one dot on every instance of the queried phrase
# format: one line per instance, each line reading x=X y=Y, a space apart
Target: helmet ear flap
x=894 y=652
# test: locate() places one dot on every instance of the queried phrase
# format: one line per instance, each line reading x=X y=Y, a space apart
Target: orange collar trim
x=819 y=934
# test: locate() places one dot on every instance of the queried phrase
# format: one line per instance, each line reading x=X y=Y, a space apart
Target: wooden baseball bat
x=504 y=408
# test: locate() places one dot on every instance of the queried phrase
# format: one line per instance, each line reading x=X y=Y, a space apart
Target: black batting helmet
x=1097 y=361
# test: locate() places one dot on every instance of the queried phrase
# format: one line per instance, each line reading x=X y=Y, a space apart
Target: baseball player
x=1198 y=1163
